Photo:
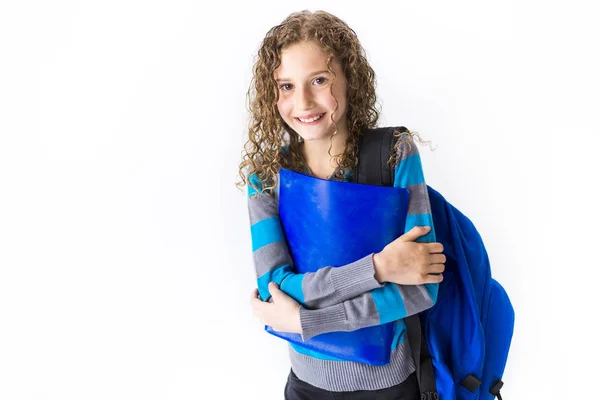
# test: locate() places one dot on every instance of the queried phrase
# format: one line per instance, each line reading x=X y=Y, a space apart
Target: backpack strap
x=421 y=357
x=375 y=147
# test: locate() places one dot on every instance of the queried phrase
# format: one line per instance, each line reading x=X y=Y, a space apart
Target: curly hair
x=268 y=134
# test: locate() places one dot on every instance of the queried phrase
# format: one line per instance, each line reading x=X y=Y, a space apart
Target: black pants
x=296 y=389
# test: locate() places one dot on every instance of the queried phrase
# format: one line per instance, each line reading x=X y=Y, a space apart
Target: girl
x=311 y=96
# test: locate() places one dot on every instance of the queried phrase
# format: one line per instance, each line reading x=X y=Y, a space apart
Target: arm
x=273 y=262
x=391 y=301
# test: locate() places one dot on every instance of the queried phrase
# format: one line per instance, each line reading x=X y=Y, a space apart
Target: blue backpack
x=460 y=345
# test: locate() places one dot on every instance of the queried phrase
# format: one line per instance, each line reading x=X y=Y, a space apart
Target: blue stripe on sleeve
x=256 y=182
x=389 y=303
x=276 y=275
x=413 y=220
x=399 y=333
x=292 y=286
x=265 y=232
x=288 y=280
x=251 y=191
x=432 y=290
x=409 y=172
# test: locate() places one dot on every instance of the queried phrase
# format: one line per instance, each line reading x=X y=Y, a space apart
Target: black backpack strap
x=375 y=147
x=422 y=358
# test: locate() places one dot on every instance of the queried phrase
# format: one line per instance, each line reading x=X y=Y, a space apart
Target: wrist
x=379 y=268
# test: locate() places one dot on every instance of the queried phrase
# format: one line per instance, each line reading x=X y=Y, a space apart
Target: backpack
x=460 y=345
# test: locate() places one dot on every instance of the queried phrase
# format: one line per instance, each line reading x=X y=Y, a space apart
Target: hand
x=283 y=314
x=407 y=262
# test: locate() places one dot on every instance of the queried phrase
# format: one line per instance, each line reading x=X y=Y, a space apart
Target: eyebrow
x=313 y=74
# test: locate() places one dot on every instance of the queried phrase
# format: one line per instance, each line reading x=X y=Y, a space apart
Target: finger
x=415 y=233
x=260 y=310
x=437 y=259
x=435 y=247
x=434 y=278
x=437 y=268
x=274 y=289
x=254 y=309
x=255 y=303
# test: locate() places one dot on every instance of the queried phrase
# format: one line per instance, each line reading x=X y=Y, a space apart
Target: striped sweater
x=344 y=298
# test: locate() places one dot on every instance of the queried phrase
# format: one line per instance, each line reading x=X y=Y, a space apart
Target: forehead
x=302 y=59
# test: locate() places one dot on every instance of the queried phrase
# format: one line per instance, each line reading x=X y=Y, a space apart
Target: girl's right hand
x=407 y=262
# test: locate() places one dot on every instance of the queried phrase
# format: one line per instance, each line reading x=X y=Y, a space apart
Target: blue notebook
x=330 y=223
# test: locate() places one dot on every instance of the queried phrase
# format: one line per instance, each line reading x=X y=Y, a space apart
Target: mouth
x=310 y=121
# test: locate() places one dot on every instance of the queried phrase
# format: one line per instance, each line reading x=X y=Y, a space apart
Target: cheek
x=339 y=91
x=283 y=105
x=341 y=104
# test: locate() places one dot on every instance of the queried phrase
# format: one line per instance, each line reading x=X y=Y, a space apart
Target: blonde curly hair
x=263 y=154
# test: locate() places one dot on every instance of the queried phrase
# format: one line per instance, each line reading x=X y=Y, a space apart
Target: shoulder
x=264 y=178
x=260 y=188
x=397 y=141
x=404 y=145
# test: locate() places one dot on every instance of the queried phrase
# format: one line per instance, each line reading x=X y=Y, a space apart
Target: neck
x=316 y=153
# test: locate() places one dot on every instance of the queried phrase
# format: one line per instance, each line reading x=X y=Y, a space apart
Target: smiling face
x=305 y=92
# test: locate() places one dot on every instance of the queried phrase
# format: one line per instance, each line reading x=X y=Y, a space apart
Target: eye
x=322 y=79
x=284 y=87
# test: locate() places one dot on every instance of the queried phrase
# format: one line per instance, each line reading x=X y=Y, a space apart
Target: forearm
x=325 y=287
x=389 y=303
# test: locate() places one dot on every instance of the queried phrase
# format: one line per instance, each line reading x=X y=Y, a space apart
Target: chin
x=308 y=134
x=310 y=138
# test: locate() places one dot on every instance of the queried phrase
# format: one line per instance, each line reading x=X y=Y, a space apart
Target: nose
x=304 y=99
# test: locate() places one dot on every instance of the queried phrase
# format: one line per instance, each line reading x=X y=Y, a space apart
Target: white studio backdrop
x=125 y=255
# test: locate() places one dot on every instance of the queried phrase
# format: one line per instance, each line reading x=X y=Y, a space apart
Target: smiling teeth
x=311 y=120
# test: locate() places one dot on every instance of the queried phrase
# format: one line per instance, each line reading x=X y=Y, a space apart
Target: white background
x=125 y=256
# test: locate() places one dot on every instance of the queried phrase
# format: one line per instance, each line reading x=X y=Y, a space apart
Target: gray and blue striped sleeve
x=273 y=263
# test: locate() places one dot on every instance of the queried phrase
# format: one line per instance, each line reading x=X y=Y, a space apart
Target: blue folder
x=330 y=223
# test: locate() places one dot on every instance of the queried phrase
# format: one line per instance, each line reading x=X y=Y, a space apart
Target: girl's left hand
x=283 y=314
